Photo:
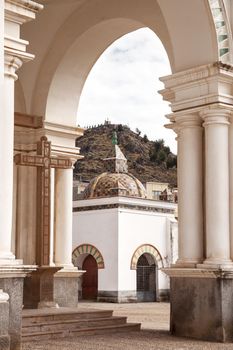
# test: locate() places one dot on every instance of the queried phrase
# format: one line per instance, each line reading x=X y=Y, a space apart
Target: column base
x=187 y=263
x=11 y=282
x=6 y=255
x=216 y=264
x=66 y=286
x=7 y=261
x=47 y=305
x=202 y=304
x=4 y=321
x=39 y=288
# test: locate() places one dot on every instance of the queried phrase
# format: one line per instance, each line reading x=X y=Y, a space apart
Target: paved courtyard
x=153 y=336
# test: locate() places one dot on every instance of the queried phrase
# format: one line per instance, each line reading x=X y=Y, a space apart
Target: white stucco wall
x=99 y=228
x=137 y=228
x=117 y=233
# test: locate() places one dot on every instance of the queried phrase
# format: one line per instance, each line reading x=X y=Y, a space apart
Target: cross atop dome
x=116 y=163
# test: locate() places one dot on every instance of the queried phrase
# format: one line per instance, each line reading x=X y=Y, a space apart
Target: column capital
x=12 y=64
x=184 y=121
x=13 y=60
x=188 y=121
x=217 y=115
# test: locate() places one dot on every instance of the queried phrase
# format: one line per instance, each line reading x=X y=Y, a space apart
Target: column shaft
x=217 y=188
x=190 y=178
x=63 y=217
x=231 y=186
x=52 y=202
x=6 y=160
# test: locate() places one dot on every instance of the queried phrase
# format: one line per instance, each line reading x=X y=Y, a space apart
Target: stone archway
x=88 y=249
x=146 y=260
x=87 y=257
x=146 y=248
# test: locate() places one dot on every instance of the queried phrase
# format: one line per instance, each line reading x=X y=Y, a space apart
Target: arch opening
x=90 y=278
x=79 y=41
x=151 y=250
x=147 y=278
x=80 y=253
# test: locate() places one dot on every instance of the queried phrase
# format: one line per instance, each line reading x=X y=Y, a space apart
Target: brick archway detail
x=89 y=249
x=146 y=248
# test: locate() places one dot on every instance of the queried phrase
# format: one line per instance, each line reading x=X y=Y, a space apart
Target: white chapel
x=121 y=239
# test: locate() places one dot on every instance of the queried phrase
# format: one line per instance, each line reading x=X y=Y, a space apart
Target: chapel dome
x=116 y=181
x=114 y=184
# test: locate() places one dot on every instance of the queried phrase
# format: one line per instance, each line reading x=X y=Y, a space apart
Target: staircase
x=63 y=322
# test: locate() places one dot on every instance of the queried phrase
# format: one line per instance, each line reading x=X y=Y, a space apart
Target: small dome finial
x=114 y=138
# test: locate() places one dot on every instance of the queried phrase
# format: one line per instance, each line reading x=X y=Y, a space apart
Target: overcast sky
x=123 y=84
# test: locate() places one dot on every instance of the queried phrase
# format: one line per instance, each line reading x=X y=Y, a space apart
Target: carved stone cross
x=43 y=162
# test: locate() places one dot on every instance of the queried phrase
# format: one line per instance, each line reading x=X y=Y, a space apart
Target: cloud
x=123 y=85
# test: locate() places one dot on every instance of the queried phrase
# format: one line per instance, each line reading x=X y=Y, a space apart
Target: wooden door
x=90 y=278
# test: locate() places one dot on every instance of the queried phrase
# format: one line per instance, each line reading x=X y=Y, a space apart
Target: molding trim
x=146 y=248
x=198 y=272
x=88 y=249
x=123 y=206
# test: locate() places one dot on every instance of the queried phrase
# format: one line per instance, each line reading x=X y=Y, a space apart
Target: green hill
x=147 y=160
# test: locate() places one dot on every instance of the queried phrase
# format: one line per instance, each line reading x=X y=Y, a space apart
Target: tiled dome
x=114 y=184
x=116 y=181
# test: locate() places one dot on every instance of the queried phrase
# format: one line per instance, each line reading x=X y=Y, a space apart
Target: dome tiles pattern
x=114 y=184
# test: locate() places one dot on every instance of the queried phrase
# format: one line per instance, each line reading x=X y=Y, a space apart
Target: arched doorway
x=90 y=278
x=87 y=257
x=146 y=278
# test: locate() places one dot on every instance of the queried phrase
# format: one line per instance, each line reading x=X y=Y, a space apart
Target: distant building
x=154 y=189
x=121 y=238
x=78 y=188
x=160 y=191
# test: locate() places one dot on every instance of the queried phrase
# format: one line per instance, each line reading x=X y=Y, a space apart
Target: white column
x=231 y=184
x=190 y=179
x=1 y=54
x=13 y=54
x=217 y=187
x=4 y=250
x=63 y=217
x=6 y=157
x=52 y=203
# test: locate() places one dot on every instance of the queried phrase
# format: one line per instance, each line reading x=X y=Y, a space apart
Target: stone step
x=71 y=324
x=38 y=336
x=37 y=316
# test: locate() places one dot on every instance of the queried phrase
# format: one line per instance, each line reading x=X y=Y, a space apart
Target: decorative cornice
x=199 y=87
x=67 y=130
x=21 y=11
x=124 y=206
x=26 y=4
x=15 y=43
